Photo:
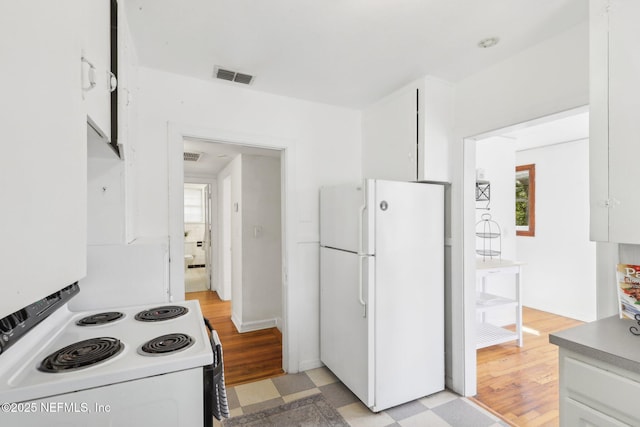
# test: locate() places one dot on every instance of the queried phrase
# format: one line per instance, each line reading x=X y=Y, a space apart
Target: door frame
x=464 y=369
x=176 y=133
x=225 y=226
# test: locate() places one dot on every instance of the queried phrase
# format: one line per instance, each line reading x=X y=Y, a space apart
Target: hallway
x=248 y=357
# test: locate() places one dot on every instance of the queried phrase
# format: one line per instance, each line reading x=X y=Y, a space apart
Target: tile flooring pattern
x=195 y=279
x=444 y=409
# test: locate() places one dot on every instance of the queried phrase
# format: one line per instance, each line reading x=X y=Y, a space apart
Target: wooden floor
x=248 y=357
x=521 y=384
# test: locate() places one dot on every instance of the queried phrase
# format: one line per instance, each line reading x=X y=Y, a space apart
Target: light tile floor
x=195 y=279
x=444 y=409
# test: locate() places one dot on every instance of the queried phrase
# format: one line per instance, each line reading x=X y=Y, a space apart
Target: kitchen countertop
x=608 y=340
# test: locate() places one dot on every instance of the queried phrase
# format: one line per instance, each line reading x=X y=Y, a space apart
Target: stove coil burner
x=100 y=318
x=162 y=313
x=81 y=354
x=166 y=344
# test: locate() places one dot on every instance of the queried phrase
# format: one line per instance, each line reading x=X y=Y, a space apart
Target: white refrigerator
x=382 y=289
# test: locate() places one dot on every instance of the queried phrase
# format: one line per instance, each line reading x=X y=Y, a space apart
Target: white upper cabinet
x=43 y=182
x=614 y=124
x=406 y=134
x=96 y=64
x=435 y=129
x=390 y=137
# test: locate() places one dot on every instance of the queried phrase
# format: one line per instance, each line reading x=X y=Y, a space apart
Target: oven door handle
x=207 y=324
x=216 y=346
x=215 y=374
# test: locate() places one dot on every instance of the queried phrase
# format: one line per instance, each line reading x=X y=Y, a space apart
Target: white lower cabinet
x=579 y=415
x=595 y=393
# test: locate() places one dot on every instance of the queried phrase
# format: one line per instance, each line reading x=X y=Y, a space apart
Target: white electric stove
x=143 y=365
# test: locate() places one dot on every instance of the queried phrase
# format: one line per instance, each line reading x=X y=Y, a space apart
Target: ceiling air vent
x=233 y=76
x=191 y=157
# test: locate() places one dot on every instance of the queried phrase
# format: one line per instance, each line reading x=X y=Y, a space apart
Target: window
x=193 y=204
x=526 y=200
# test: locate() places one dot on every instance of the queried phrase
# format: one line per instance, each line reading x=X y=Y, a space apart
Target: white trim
x=176 y=134
x=254 y=325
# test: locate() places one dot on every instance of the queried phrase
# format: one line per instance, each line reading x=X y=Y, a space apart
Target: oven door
x=215 y=393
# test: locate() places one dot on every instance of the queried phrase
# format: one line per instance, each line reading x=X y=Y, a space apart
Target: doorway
x=239 y=227
x=198 y=259
x=558 y=283
x=558 y=257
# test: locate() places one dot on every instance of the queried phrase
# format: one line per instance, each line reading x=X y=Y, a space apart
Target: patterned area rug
x=312 y=411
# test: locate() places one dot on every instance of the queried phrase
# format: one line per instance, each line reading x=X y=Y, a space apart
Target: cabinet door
x=624 y=125
x=390 y=137
x=575 y=414
x=97 y=64
x=43 y=163
x=599 y=120
x=435 y=126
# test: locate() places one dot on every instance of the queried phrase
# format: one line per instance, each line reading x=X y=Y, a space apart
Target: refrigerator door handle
x=360 y=280
x=361 y=256
x=360 y=224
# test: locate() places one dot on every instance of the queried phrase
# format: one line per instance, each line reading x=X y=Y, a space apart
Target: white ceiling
x=573 y=127
x=341 y=52
x=216 y=155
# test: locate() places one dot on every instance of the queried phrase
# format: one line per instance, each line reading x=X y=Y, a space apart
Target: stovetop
x=21 y=379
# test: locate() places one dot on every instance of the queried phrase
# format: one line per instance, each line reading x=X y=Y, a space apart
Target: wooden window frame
x=531 y=230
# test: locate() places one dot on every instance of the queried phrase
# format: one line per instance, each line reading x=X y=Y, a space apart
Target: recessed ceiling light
x=488 y=42
x=222 y=156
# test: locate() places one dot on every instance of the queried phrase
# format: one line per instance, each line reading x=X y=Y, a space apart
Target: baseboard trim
x=254 y=325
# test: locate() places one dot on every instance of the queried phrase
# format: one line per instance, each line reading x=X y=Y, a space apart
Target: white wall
x=223 y=243
x=547 y=78
x=105 y=195
x=497 y=157
x=322 y=147
x=256 y=278
x=559 y=260
x=261 y=243
x=560 y=271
